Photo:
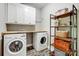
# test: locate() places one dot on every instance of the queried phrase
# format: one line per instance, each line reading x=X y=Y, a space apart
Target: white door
x=29 y=15
x=20 y=13
x=12 y=13
x=33 y=15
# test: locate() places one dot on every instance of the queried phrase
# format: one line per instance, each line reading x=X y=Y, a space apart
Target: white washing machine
x=14 y=44
x=40 y=41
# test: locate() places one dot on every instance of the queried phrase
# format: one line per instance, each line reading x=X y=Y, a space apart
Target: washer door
x=43 y=40
x=15 y=46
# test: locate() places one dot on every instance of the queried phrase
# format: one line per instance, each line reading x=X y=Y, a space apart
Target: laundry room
x=19 y=26
x=39 y=29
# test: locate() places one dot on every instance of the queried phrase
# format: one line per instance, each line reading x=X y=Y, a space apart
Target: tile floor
x=33 y=52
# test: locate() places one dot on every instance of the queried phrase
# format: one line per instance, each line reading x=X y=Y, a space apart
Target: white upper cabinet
x=3 y=17
x=29 y=15
x=12 y=13
x=21 y=14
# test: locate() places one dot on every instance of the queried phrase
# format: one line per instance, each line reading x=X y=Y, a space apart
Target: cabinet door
x=3 y=18
x=20 y=13
x=29 y=15
x=12 y=13
x=32 y=13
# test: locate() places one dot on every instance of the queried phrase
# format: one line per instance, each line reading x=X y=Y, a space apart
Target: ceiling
x=37 y=5
x=41 y=5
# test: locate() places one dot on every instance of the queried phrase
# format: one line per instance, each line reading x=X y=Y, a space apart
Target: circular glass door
x=15 y=46
x=43 y=40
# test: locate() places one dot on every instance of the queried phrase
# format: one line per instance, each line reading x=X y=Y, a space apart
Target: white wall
x=51 y=9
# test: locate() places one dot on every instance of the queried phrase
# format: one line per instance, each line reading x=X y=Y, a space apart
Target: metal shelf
x=72 y=13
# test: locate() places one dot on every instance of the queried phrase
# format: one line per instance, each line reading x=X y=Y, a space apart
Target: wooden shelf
x=19 y=24
x=63 y=15
x=69 y=39
x=64 y=39
x=62 y=26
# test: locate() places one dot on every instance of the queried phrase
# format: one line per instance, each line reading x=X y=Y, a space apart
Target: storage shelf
x=19 y=24
x=63 y=15
x=73 y=25
x=64 y=39
x=62 y=26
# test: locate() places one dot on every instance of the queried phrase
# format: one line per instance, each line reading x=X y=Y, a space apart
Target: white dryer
x=14 y=44
x=40 y=41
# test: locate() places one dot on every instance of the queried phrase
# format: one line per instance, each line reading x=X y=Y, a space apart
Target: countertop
x=11 y=32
